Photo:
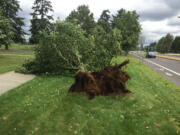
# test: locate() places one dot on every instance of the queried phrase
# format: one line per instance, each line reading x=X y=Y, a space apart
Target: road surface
x=170 y=69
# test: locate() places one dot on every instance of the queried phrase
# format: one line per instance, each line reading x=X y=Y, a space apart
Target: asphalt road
x=170 y=69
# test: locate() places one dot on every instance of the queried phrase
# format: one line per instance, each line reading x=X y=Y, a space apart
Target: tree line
x=126 y=23
x=167 y=44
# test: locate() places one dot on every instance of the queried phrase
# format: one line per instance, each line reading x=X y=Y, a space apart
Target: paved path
x=12 y=80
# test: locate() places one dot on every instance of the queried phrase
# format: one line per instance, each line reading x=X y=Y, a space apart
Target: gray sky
x=157 y=17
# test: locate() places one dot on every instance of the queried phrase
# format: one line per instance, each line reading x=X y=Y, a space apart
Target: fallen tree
x=110 y=81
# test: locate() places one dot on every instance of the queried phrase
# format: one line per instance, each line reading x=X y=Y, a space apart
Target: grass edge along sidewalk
x=42 y=106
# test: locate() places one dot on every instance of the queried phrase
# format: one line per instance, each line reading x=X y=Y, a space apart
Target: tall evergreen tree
x=104 y=20
x=6 y=31
x=83 y=18
x=176 y=45
x=10 y=9
x=153 y=46
x=40 y=19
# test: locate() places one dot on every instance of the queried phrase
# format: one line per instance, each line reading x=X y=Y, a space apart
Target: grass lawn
x=43 y=107
x=11 y=61
x=19 y=47
x=16 y=53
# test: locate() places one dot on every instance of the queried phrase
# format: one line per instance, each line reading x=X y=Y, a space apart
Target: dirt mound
x=110 y=81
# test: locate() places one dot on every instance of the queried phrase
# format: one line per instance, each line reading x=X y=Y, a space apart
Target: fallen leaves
x=4 y=118
x=157 y=124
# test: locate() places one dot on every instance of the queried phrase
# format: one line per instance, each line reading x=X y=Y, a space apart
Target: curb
x=168 y=57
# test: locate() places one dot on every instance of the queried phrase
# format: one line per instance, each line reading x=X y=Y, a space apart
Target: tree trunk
x=6 y=47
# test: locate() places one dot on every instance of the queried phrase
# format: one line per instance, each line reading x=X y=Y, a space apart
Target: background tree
x=10 y=9
x=128 y=23
x=153 y=46
x=165 y=43
x=104 y=20
x=6 y=31
x=160 y=44
x=83 y=18
x=40 y=19
x=176 y=45
x=168 y=42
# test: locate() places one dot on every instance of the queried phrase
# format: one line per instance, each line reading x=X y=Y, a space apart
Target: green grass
x=16 y=53
x=9 y=62
x=43 y=107
x=19 y=47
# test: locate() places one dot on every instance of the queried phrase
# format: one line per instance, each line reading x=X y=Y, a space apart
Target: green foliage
x=176 y=45
x=83 y=18
x=40 y=19
x=65 y=49
x=6 y=31
x=89 y=46
x=127 y=22
x=160 y=43
x=153 y=46
x=165 y=43
x=107 y=46
x=10 y=9
x=104 y=21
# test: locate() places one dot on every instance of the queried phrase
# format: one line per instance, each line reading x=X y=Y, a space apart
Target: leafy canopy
x=83 y=18
x=128 y=23
x=64 y=49
x=165 y=43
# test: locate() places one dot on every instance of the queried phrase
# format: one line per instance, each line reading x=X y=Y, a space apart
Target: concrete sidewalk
x=12 y=80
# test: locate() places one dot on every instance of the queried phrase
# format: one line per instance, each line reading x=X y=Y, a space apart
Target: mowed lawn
x=11 y=61
x=43 y=107
x=19 y=47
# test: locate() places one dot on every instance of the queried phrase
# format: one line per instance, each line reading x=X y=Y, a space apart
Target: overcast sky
x=157 y=17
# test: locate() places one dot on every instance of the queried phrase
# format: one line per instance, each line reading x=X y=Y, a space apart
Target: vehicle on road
x=151 y=55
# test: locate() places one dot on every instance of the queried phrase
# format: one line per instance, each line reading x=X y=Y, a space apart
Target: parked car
x=151 y=55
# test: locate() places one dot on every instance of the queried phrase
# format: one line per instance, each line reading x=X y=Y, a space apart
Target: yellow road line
x=173 y=54
x=168 y=57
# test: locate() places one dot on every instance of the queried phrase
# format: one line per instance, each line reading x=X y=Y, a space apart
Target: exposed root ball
x=107 y=82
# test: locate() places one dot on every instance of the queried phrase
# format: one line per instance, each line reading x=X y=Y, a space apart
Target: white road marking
x=168 y=74
x=163 y=67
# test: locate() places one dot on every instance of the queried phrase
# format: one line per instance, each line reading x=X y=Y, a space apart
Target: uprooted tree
x=67 y=50
x=107 y=82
